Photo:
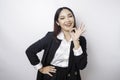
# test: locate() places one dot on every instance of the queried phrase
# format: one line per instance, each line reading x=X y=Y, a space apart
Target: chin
x=67 y=30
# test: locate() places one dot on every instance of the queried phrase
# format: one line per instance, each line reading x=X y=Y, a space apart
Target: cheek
x=61 y=22
x=72 y=19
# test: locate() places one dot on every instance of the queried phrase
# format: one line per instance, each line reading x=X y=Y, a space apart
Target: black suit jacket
x=50 y=44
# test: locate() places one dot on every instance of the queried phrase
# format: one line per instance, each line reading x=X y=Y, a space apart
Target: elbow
x=83 y=66
x=27 y=52
x=81 y=62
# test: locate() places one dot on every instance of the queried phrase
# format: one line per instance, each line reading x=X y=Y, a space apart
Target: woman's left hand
x=77 y=32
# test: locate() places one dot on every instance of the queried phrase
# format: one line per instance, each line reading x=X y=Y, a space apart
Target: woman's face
x=65 y=20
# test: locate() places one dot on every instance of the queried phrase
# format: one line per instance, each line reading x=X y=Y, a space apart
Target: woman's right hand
x=48 y=70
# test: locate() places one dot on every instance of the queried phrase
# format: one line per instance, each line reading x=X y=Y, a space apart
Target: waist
x=60 y=68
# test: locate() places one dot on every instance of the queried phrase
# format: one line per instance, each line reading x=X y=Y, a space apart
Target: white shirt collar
x=61 y=36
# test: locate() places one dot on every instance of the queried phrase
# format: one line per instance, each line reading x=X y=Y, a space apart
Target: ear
x=57 y=23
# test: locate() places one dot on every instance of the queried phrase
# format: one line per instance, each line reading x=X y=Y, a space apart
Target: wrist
x=74 y=40
x=76 y=47
x=38 y=66
x=41 y=70
x=76 y=44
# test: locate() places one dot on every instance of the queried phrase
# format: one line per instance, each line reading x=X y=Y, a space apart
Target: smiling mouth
x=68 y=24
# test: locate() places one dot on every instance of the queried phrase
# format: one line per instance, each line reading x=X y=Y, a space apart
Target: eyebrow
x=70 y=14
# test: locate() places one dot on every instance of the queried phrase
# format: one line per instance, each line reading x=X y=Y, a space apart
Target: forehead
x=65 y=12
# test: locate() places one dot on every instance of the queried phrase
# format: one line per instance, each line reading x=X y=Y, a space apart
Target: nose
x=67 y=19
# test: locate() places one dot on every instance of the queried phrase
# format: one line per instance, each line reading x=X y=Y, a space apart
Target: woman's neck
x=67 y=35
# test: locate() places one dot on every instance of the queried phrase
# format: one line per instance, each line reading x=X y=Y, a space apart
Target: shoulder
x=49 y=34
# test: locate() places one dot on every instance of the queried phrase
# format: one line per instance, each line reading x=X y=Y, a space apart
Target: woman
x=64 y=49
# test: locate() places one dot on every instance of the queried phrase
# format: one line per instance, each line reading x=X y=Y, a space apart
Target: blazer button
x=75 y=73
x=68 y=75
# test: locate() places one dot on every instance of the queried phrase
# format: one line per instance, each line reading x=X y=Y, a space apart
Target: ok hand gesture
x=77 y=32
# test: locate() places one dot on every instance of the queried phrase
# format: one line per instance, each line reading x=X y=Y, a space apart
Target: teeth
x=69 y=24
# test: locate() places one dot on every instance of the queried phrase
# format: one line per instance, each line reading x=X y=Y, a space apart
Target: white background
x=22 y=22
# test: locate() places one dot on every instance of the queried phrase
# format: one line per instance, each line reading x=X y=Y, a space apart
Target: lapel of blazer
x=71 y=57
x=54 y=46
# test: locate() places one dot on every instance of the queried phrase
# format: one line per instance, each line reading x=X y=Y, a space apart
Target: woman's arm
x=32 y=50
x=81 y=60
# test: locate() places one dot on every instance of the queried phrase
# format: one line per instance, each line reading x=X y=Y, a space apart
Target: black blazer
x=50 y=44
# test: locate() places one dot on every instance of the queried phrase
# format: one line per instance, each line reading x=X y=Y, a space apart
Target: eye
x=70 y=15
x=62 y=18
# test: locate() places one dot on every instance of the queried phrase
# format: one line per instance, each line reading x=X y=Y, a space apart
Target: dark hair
x=57 y=28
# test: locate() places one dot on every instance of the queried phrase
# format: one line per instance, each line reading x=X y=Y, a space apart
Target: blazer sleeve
x=81 y=61
x=36 y=47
